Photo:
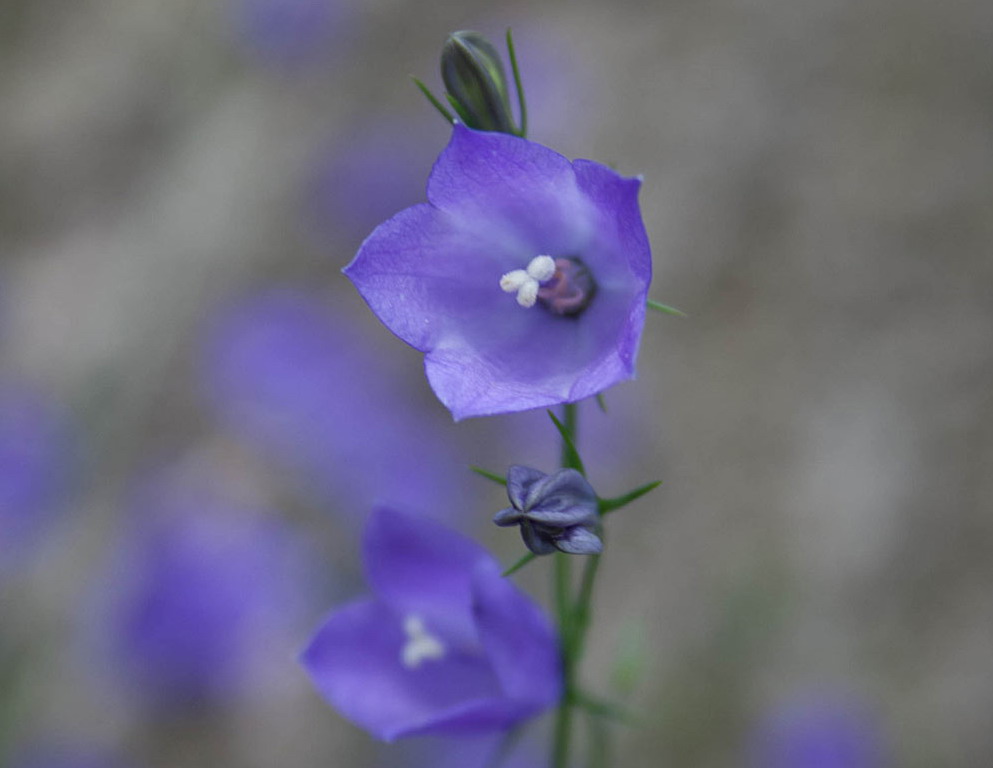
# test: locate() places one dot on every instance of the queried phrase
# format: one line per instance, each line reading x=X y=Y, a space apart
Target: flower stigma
x=421 y=645
x=564 y=286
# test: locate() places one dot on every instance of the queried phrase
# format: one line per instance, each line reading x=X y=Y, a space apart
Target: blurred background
x=197 y=410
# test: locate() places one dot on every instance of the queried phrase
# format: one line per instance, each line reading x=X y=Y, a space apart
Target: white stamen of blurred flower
x=421 y=645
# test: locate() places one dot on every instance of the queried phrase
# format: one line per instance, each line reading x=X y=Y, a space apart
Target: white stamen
x=421 y=645
x=526 y=282
x=541 y=268
x=512 y=281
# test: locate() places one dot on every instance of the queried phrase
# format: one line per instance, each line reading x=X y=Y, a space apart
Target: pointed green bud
x=477 y=83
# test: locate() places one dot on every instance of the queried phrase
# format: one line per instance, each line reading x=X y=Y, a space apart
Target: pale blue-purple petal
x=420 y=567
x=290 y=373
x=432 y=275
x=520 y=641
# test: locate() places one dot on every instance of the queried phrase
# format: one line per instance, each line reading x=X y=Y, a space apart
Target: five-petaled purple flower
x=557 y=511
x=524 y=277
x=444 y=646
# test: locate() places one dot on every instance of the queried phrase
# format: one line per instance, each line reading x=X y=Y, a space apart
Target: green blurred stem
x=573 y=617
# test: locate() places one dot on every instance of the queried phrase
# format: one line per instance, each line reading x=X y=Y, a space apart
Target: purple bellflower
x=206 y=596
x=523 y=279
x=558 y=511
x=289 y=373
x=444 y=646
x=818 y=732
x=34 y=459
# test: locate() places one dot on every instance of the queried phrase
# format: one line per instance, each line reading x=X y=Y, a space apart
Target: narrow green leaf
x=601 y=401
x=603 y=708
x=459 y=109
x=522 y=130
x=572 y=458
x=609 y=505
x=434 y=100
x=658 y=306
x=499 y=479
x=520 y=564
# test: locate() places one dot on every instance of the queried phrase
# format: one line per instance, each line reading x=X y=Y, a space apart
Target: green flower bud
x=476 y=81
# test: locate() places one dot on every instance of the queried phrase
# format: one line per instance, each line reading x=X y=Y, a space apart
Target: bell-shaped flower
x=207 y=593
x=523 y=279
x=558 y=511
x=445 y=645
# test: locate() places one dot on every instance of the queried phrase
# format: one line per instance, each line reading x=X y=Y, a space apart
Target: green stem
x=572 y=617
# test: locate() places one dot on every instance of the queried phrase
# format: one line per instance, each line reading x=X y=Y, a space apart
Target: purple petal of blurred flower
x=445 y=645
x=34 y=458
x=289 y=373
x=503 y=214
x=557 y=511
x=472 y=752
x=63 y=757
x=368 y=177
x=289 y=31
x=818 y=733
x=207 y=594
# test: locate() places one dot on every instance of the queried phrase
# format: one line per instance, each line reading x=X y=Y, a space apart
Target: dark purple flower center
x=570 y=290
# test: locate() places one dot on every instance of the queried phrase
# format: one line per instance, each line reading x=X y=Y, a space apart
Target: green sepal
x=520 y=564
x=609 y=505
x=665 y=309
x=499 y=479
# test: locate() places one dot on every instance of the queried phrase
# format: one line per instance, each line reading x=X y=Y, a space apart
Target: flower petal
x=562 y=499
x=507 y=517
x=518 y=191
x=520 y=479
x=536 y=539
x=355 y=662
x=420 y=567
x=579 y=540
x=520 y=642
x=615 y=200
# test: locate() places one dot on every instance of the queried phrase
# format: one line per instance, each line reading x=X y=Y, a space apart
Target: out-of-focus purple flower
x=370 y=175
x=288 y=372
x=818 y=732
x=508 y=216
x=63 y=757
x=558 y=511
x=34 y=457
x=444 y=646
x=207 y=595
x=289 y=31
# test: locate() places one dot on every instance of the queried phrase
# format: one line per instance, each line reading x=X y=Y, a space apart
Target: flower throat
x=563 y=285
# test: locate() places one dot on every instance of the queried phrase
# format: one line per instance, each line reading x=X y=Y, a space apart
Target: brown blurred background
x=819 y=196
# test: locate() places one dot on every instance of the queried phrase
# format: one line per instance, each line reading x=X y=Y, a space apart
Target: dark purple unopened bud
x=558 y=511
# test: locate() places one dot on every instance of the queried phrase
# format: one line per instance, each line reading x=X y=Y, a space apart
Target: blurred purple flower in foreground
x=818 y=732
x=207 y=596
x=289 y=373
x=508 y=216
x=33 y=466
x=445 y=645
